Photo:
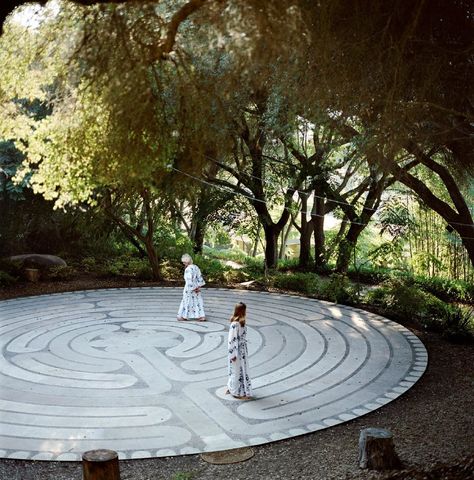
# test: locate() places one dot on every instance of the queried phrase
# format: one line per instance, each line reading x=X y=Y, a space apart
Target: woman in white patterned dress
x=192 y=305
x=238 y=384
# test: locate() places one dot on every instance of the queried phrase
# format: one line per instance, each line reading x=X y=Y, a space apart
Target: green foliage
x=212 y=270
x=7 y=280
x=254 y=267
x=12 y=268
x=402 y=299
x=399 y=296
x=117 y=266
x=236 y=275
x=288 y=264
x=338 y=289
x=219 y=236
x=447 y=289
x=232 y=254
x=61 y=273
x=171 y=243
x=369 y=274
x=458 y=324
x=172 y=270
x=307 y=283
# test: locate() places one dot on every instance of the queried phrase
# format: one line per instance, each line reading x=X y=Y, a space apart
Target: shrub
x=212 y=270
x=60 y=272
x=447 y=289
x=126 y=265
x=402 y=298
x=89 y=264
x=458 y=324
x=6 y=280
x=172 y=270
x=14 y=269
x=254 y=266
x=338 y=289
x=367 y=274
x=299 y=282
x=288 y=264
x=233 y=254
x=172 y=244
x=235 y=276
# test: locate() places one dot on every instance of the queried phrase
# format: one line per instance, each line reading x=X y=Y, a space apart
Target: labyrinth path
x=114 y=369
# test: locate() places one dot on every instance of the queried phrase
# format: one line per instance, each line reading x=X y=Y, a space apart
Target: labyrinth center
x=114 y=369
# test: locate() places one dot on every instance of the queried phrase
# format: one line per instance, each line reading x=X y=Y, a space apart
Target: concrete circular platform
x=114 y=369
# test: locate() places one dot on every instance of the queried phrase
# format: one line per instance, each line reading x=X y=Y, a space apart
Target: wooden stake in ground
x=376 y=450
x=100 y=465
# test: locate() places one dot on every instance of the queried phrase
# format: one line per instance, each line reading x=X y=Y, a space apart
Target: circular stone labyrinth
x=114 y=369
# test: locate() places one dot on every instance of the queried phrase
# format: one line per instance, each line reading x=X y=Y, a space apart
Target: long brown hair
x=240 y=311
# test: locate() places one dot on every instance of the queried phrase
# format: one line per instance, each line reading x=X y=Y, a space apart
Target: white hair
x=187 y=258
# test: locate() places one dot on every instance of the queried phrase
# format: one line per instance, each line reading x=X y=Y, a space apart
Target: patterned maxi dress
x=239 y=384
x=192 y=305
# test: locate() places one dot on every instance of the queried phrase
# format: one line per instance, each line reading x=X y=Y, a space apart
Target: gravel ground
x=432 y=423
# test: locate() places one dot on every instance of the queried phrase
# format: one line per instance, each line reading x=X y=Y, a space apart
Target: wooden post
x=376 y=450
x=100 y=465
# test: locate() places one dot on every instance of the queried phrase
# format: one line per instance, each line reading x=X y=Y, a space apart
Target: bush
x=212 y=270
x=299 y=282
x=60 y=272
x=172 y=244
x=402 y=298
x=447 y=289
x=124 y=265
x=235 y=276
x=232 y=254
x=458 y=324
x=7 y=280
x=14 y=269
x=370 y=275
x=88 y=264
x=254 y=267
x=288 y=264
x=339 y=290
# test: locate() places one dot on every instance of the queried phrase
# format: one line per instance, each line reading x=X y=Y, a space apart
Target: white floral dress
x=192 y=305
x=239 y=384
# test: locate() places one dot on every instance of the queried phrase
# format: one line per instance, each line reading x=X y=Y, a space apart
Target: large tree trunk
x=305 y=246
x=198 y=236
x=271 y=245
x=467 y=237
x=153 y=258
x=305 y=234
x=197 y=232
x=346 y=247
x=319 y=238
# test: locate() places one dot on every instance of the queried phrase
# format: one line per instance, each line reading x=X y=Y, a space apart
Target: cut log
x=376 y=450
x=32 y=274
x=100 y=465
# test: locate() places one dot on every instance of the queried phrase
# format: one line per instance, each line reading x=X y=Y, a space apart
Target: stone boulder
x=39 y=261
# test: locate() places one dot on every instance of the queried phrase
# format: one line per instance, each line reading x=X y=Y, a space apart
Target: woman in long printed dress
x=192 y=305
x=238 y=384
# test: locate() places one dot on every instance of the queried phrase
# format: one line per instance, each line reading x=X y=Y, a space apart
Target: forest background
x=133 y=132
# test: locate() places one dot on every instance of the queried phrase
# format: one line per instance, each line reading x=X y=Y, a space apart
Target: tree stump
x=32 y=274
x=376 y=450
x=100 y=465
